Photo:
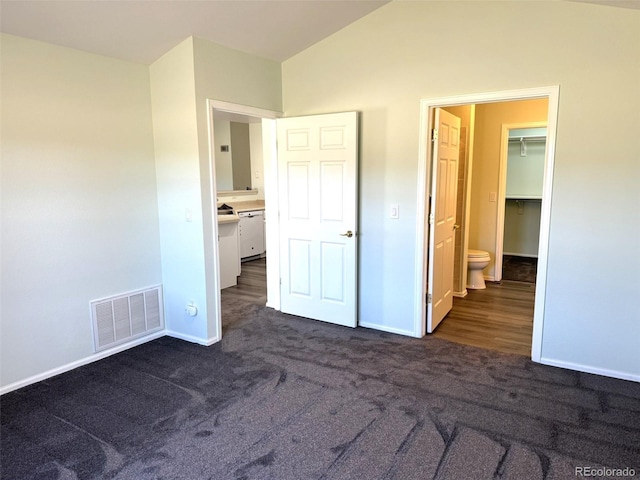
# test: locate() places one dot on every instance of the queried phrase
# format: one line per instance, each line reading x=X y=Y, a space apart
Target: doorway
x=551 y=95
x=310 y=185
x=223 y=192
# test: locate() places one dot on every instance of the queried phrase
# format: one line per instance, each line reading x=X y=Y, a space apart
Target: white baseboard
x=461 y=294
x=590 y=369
x=79 y=363
x=489 y=278
x=385 y=328
x=207 y=342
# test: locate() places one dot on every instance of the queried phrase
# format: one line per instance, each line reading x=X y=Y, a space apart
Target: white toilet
x=477 y=260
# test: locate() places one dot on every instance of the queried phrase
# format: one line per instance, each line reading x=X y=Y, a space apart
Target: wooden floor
x=498 y=318
x=252 y=283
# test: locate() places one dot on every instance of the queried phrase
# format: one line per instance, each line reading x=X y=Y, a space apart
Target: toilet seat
x=477 y=254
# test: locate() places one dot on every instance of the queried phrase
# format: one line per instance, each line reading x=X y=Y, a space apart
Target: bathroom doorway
x=240 y=183
x=479 y=205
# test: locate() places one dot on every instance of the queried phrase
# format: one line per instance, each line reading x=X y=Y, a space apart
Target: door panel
x=299 y=267
x=317 y=165
x=442 y=227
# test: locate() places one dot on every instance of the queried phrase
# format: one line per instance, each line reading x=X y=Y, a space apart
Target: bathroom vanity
x=241 y=235
x=229 y=249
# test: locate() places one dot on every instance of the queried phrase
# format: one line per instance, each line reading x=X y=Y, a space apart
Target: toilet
x=477 y=260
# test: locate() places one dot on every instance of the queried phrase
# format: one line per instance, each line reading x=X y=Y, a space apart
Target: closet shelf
x=523 y=197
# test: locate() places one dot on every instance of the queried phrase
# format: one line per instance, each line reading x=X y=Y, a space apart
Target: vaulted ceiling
x=143 y=30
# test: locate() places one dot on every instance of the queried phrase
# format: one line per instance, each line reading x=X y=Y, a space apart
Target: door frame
x=551 y=93
x=502 y=189
x=270 y=167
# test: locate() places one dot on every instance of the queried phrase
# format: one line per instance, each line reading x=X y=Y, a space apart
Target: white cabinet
x=251 y=232
x=229 y=253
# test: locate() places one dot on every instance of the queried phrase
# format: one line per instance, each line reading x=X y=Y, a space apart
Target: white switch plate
x=395 y=211
x=493 y=196
x=188 y=215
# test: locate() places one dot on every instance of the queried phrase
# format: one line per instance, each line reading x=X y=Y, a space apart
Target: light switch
x=493 y=196
x=395 y=211
x=188 y=215
x=257 y=174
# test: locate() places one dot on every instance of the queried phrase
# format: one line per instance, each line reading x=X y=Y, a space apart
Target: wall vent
x=125 y=317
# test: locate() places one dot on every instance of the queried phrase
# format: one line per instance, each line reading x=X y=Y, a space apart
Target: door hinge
x=434 y=134
x=428 y=298
x=431 y=219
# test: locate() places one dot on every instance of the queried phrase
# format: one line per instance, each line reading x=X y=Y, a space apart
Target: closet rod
x=533 y=138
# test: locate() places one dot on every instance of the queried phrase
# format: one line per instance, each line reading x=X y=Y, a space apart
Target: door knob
x=456 y=226
x=349 y=234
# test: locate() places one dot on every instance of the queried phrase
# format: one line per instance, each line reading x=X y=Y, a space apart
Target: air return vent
x=120 y=319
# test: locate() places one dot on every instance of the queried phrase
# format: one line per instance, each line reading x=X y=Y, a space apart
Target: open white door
x=442 y=217
x=317 y=184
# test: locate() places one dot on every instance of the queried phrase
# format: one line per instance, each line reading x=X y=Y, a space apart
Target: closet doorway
x=522 y=156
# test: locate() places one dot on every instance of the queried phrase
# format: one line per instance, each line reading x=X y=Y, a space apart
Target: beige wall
x=385 y=63
x=485 y=176
x=79 y=203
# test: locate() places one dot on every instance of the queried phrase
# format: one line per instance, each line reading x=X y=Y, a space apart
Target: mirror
x=238 y=151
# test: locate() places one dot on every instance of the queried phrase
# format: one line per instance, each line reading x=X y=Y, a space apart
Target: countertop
x=247 y=206
x=228 y=218
x=238 y=207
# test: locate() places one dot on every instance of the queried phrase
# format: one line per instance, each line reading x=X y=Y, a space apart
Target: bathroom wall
x=224 y=164
x=257 y=160
x=241 y=155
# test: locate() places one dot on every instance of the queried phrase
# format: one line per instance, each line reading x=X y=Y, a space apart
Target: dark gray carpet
x=519 y=269
x=287 y=398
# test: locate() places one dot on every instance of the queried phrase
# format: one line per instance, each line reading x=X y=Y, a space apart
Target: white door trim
x=270 y=202
x=502 y=189
x=552 y=94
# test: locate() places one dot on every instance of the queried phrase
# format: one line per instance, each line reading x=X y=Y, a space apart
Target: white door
x=317 y=184
x=442 y=217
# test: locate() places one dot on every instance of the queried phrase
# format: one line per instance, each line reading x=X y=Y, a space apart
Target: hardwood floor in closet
x=498 y=318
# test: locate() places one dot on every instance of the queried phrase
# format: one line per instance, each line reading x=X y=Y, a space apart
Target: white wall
x=79 y=210
x=385 y=63
x=230 y=76
x=522 y=227
x=525 y=174
x=178 y=176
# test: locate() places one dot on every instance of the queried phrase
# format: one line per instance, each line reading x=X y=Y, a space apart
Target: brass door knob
x=349 y=234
